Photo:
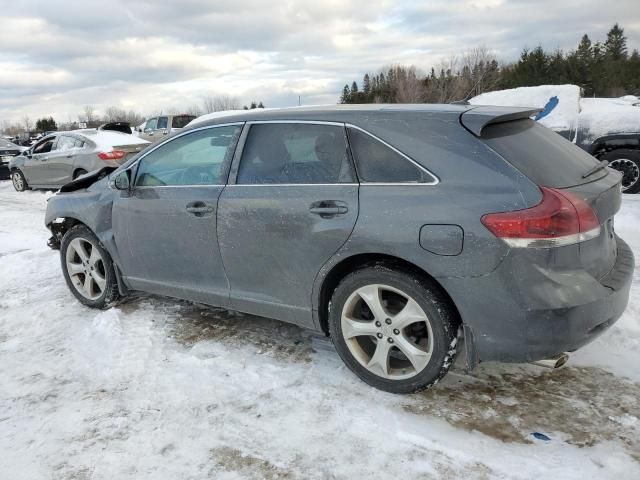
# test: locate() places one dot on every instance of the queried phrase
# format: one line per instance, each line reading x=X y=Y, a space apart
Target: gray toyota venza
x=405 y=233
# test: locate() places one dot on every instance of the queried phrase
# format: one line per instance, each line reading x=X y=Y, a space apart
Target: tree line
x=90 y=116
x=602 y=69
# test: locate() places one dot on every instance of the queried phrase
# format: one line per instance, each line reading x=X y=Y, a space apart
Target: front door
x=36 y=166
x=148 y=133
x=293 y=205
x=165 y=226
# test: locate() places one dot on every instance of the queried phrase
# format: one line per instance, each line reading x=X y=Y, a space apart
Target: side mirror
x=121 y=181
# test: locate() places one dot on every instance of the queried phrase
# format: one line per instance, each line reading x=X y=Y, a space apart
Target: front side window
x=151 y=124
x=44 y=146
x=295 y=153
x=378 y=163
x=162 y=123
x=198 y=158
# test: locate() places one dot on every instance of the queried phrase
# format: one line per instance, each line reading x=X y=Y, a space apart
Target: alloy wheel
x=630 y=172
x=387 y=332
x=18 y=183
x=86 y=269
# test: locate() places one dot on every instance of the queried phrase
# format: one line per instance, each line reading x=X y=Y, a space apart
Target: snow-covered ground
x=160 y=389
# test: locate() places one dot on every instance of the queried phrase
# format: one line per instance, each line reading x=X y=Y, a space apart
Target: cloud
x=150 y=56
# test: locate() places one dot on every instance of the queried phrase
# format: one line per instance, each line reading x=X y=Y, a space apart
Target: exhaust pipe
x=553 y=362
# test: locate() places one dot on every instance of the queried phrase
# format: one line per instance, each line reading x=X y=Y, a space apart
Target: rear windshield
x=180 y=121
x=541 y=154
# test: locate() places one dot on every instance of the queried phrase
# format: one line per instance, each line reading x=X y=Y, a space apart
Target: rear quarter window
x=181 y=121
x=542 y=155
x=379 y=163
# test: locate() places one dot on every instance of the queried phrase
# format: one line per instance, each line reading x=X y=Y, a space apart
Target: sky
x=60 y=55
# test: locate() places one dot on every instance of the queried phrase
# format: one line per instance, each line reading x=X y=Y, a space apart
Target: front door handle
x=328 y=208
x=199 y=209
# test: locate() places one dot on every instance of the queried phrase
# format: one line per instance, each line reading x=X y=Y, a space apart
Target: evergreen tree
x=346 y=95
x=260 y=105
x=366 y=86
x=616 y=44
x=354 y=90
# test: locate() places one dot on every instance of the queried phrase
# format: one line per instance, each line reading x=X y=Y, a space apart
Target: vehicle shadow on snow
x=577 y=405
x=190 y=323
x=581 y=406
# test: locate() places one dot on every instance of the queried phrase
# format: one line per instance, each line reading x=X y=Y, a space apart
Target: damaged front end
x=65 y=209
x=86 y=180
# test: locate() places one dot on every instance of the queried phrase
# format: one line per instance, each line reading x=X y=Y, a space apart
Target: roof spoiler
x=475 y=119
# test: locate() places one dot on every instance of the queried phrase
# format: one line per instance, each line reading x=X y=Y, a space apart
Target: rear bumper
x=559 y=313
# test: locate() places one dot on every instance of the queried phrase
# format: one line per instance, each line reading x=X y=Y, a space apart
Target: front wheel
x=18 y=180
x=88 y=268
x=626 y=161
x=393 y=329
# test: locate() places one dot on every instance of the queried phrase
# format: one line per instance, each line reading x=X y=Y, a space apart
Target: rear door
x=61 y=160
x=165 y=226
x=551 y=161
x=293 y=204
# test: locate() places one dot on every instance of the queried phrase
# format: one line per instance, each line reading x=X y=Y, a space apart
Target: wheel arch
x=329 y=280
x=608 y=143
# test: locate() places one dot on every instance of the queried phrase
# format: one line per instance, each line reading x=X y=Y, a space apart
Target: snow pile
x=604 y=116
x=562 y=117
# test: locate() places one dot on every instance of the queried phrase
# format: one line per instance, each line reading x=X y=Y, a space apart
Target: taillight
x=561 y=218
x=112 y=155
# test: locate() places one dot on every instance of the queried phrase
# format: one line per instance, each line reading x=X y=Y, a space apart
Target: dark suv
x=396 y=230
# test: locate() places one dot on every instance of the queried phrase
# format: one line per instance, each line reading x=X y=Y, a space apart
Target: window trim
x=134 y=166
x=242 y=141
x=435 y=181
x=233 y=173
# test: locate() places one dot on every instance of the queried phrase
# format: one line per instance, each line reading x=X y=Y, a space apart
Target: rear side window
x=180 y=121
x=66 y=143
x=541 y=154
x=378 y=163
x=199 y=158
x=295 y=154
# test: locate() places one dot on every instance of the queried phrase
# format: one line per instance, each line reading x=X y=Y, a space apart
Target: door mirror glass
x=121 y=181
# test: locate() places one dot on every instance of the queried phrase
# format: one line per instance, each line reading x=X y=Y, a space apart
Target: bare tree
x=408 y=87
x=26 y=123
x=88 y=114
x=115 y=114
x=220 y=103
x=193 y=110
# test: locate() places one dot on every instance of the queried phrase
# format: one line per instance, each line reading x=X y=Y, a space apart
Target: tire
x=356 y=331
x=18 y=181
x=84 y=258
x=79 y=172
x=627 y=161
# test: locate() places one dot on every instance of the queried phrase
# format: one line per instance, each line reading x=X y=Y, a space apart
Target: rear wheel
x=18 y=180
x=626 y=161
x=79 y=173
x=88 y=268
x=394 y=330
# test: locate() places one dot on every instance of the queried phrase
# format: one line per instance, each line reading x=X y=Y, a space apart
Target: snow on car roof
x=605 y=116
x=562 y=117
x=110 y=138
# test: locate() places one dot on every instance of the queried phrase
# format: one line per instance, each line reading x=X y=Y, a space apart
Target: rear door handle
x=199 y=209
x=328 y=208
